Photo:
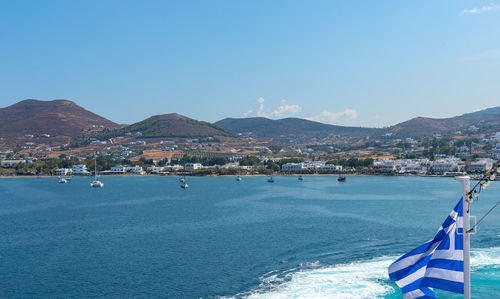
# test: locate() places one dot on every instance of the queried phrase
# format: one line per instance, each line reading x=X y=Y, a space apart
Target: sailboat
x=301 y=178
x=238 y=178
x=270 y=179
x=62 y=180
x=184 y=184
x=96 y=183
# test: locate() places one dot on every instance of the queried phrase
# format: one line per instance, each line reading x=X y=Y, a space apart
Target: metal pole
x=465 y=181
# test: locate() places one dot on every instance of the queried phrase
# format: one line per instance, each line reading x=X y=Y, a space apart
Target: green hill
x=172 y=125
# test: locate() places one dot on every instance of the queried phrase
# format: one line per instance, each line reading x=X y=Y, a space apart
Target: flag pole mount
x=466 y=200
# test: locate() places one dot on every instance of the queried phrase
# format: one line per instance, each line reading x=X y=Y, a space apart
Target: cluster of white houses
x=81 y=169
x=439 y=166
x=496 y=152
x=310 y=165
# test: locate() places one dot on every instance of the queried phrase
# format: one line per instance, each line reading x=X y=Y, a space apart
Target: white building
x=134 y=170
x=496 y=152
x=174 y=167
x=127 y=153
x=11 y=162
x=118 y=169
x=292 y=166
x=155 y=169
x=314 y=164
x=231 y=165
x=140 y=142
x=446 y=165
x=64 y=171
x=386 y=165
x=80 y=169
x=413 y=168
x=331 y=167
x=480 y=166
x=193 y=166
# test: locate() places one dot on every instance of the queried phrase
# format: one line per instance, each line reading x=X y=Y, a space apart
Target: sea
x=145 y=237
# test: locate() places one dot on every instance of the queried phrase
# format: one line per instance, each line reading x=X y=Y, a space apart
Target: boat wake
x=362 y=279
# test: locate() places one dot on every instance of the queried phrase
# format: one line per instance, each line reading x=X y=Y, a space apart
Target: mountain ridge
x=56 y=117
x=268 y=128
x=422 y=126
x=416 y=127
x=63 y=117
x=172 y=125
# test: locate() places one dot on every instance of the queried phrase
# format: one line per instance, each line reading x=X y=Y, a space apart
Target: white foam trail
x=354 y=280
x=485 y=257
x=363 y=279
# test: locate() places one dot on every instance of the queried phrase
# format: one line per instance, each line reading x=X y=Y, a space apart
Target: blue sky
x=362 y=63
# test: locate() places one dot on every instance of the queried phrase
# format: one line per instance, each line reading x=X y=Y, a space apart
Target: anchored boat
x=96 y=183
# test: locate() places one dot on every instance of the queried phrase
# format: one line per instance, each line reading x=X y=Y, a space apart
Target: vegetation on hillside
x=157 y=126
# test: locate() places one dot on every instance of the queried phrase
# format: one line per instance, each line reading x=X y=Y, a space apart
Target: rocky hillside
x=56 y=118
x=487 y=119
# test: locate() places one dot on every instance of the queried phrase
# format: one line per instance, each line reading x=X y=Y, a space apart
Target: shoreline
x=231 y=175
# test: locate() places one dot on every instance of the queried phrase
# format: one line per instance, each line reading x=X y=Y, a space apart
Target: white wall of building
x=193 y=166
x=80 y=169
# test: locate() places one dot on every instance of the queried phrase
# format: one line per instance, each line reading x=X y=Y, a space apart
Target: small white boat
x=96 y=183
x=62 y=180
x=270 y=179
x=238 y=178
x=301 y=178
x=182 y=179
x=184 y=185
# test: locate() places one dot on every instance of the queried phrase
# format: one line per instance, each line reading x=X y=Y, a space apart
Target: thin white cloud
x=478 y=10
x=283 y=110
x=260 y=110
x=286 y=110
x=334 y=117
x=248 y=113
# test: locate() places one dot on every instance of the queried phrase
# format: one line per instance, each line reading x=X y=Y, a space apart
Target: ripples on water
x=146 y=237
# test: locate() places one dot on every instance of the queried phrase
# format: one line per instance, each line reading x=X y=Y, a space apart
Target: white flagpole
x=465 y=180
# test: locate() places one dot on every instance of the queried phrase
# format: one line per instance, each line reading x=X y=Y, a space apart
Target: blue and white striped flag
x=439 y=263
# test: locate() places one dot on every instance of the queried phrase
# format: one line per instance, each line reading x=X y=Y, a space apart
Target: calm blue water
x=145 y=237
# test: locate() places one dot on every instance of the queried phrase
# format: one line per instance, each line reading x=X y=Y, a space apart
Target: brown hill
x=487 y=119
x=172 y=125
x=57 y=118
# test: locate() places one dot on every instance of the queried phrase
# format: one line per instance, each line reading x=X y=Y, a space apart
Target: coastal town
x=467 y=151
x=250 y=149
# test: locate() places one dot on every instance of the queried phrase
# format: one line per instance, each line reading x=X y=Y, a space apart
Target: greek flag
x=439 y=263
